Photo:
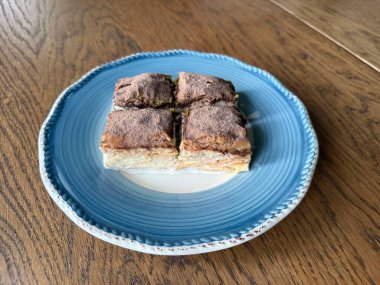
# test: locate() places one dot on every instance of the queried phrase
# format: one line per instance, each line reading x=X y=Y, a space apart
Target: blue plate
x=111 y=207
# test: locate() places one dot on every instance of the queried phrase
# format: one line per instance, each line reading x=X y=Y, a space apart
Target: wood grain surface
x=333 y=237
x=353 y=24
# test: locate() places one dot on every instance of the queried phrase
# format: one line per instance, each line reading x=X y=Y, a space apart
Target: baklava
x=146 y=90
x=213 y=139
x=139 y=138
x=198 y=88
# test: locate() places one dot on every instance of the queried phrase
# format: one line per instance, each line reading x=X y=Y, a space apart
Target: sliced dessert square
x=139 y=138
x=194 y=87
x=144 y=90
x=214 y=139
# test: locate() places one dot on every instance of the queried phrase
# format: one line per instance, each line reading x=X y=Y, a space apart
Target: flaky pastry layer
x=158 y=158
x=209 y=160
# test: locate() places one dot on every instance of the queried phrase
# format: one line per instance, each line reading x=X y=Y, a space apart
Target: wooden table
x=331 y=238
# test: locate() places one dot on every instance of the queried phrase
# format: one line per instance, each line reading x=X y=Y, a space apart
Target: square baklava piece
x=146 y=90
x=139 y=138
x=194 y=88
x=213 y=139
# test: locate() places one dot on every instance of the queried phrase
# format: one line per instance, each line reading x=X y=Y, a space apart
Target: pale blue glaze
x=285 y=149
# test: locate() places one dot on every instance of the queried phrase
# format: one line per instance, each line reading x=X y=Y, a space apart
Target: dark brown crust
x=144 y=90
x=138 y=128
x=216 y=128
x=193 y=87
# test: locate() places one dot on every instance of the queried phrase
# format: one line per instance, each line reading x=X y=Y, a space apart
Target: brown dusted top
x=218 y=128
x=138 y=128
x=144 y=90
x=194 y=87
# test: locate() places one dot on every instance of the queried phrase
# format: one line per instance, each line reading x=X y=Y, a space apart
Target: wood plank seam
x=327 y=36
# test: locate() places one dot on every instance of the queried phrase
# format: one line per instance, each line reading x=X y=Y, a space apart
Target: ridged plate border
x=73 y=211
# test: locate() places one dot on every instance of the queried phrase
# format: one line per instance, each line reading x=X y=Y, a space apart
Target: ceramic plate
x=184 y=213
